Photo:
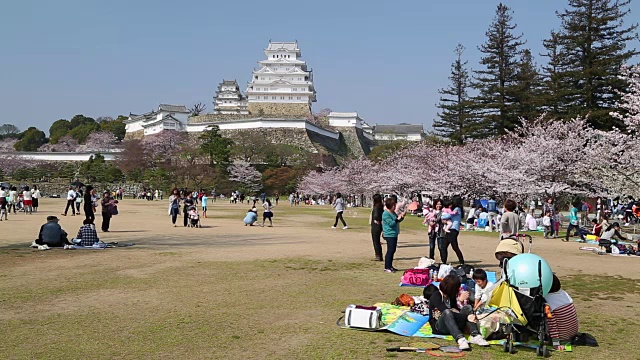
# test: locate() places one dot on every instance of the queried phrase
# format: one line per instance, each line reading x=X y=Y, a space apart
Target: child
x=556 y=222
x=446 y=218
x=483 y=289
x=204 y=201
x=546 y=222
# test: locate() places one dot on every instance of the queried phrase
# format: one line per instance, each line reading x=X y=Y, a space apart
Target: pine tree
x=527 y=90
x=593 y=42
x=555 y=85
x=457 y=120
x=495 y=83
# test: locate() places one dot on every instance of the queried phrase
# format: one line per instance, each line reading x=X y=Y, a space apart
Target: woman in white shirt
x=35 y=194
x=268 y=213
x=12 y=200
x=27 y=200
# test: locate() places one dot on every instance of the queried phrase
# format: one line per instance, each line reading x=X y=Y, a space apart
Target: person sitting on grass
x=483 y=290
x=87 y=235
x=251 y=217
x=563 y=324
x=446 y=318
x=51 y=235
x=612 y=231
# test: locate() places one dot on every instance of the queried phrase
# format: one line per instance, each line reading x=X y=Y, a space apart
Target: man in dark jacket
x=51 y=234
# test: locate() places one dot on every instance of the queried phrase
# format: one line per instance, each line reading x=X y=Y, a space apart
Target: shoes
x=345 y=228
x=389 y=270
x=463 y=344
x=626 y=224
x=43 y=247
x=394 y=269
x=34 y=245
x=68 y=247
x=478 y=340
x=377 y=258
x=333 y=227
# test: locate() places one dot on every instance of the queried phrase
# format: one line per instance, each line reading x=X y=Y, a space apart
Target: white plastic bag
x=444 y=271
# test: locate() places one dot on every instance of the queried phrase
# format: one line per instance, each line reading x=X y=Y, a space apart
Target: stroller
x=528 y=307
x=194 y=217
x=511 y=246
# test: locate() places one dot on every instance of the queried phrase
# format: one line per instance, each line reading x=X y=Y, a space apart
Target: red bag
x=416 y=277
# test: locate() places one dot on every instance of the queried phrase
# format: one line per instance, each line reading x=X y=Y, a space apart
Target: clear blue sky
x=384 y=59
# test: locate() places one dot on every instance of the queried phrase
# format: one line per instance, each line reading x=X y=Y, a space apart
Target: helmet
x=522 y=271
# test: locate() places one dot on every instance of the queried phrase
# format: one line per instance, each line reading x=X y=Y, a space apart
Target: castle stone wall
x=279 y=109
x=131 y=135
x=295 y=137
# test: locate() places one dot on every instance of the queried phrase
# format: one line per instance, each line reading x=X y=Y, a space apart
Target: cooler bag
x=363 y=317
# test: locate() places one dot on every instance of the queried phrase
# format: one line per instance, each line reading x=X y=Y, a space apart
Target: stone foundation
x=61 y=188
x=134 y=135
x=279 y=109
x=295 y=137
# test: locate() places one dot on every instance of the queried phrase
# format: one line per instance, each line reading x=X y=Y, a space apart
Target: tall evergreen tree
x=495 y=83
x=593 y=42
x=555 y=85
x=527 y=90
x=457 y=120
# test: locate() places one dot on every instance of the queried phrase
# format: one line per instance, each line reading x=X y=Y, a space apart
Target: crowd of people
x=11 y=199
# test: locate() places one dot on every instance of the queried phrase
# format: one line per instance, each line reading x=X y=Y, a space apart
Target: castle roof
x=173 y=108
x=402 y=128
x=288 y=46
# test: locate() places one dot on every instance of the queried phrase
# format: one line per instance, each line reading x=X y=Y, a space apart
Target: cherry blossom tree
x=248 y=178
x=7 y=145
x=101 y=141
x=630 y=101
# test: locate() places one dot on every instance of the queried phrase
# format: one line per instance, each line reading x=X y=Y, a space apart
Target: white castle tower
x=282 y=85
x=229 y=99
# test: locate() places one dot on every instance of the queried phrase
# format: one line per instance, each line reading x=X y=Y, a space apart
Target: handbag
x=416 y=277
x=113 y=209
x=362 y=317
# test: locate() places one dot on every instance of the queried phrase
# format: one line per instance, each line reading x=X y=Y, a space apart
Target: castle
x=277 y=105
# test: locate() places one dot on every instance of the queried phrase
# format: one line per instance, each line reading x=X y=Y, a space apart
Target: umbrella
x=413 y=206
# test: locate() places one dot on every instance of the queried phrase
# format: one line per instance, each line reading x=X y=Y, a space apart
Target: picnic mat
x=401 y=321
x=491 y=276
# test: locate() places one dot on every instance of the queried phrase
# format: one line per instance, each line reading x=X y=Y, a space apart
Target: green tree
x=593 y=40
x=527 y=90
x=496 y=81
x=8 y=130
x=80 y=120
x=555 y=85
x=81 y=132
x=456 y=120
x=30 y=140
x=58 y=130
x=216 y=147
x=116 y=127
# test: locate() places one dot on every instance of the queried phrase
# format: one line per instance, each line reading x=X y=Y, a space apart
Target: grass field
x=232 y=292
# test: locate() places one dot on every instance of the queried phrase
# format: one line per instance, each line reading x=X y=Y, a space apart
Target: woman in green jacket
x=390 y=230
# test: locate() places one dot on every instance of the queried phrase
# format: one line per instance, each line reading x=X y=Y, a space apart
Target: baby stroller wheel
x=542 y=351
x=512 y=349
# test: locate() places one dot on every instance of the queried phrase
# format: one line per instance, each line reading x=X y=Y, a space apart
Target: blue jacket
x=390 y=224
x=250 y=218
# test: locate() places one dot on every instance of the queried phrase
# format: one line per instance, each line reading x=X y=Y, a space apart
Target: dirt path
x=298 y=232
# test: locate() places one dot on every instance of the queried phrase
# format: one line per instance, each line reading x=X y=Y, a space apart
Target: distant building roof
x=173 y=108
x=290 y=46
x=399 y=129
x=343 y=114
x=229 y=82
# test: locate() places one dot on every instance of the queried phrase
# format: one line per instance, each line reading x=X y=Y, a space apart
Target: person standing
x=188 y=202
x=35 y=195
x=549 y=208
x=492 y=212
x=12 y=199
x=174 y=205
x=338 y=204
x=436 y=229
x=451 y=237
x=376 y=226
x=268 y=212
x=390 y=230
x=573 y=223
x=79 y=198
x=107 y=204
x=88 y=204
x=3 y=203
x=27 y=200
x=71 y=199
x=204 y=201
x=510 y=223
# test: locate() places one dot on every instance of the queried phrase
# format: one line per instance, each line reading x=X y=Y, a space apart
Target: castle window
x=281 y=97
x=273 y=98
x=290 y=97
x=299 y=98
